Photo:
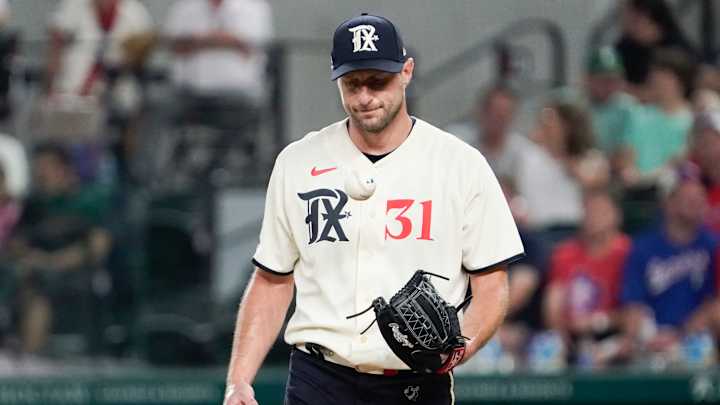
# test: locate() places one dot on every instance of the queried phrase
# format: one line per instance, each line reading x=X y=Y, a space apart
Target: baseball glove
x=420 y=327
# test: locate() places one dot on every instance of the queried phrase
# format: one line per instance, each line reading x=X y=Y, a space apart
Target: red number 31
x=406 y=223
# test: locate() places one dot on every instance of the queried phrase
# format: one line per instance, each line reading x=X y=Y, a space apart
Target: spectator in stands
x=15 y=167
x=705 y=99
x=507 y=349
x=10 y=209
x=714 y=309
x=91 y=74
x=494 y=136
x=13 y=159
x=707 y=84
x=553 y=176
x=219 y=65
x=4 y=13
x=582 y=298
x=705 y=152
x=669 y=275
x=60 y=239
x=646 y=26
x=527 y=281
x=659 y=132
x=611 y=107
x=87 y=38
x=8 y=48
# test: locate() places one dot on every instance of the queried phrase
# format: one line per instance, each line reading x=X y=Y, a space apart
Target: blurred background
x=137 y=137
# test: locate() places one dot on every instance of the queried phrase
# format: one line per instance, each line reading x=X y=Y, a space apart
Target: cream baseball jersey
x=436 y=206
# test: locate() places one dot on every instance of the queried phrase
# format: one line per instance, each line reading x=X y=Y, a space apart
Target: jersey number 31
x=405 y=222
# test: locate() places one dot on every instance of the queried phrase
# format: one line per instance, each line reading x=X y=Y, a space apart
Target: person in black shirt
x=646 y=26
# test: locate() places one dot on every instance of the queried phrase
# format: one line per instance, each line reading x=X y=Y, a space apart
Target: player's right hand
x=240 y=394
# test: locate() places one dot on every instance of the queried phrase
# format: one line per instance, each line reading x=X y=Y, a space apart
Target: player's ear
x=407 y=71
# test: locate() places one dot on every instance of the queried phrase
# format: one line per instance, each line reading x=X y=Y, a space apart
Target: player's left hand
x=420 y=327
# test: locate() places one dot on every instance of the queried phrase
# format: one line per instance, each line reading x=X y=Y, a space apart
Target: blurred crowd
x=616 y=195
x=616 y=191
x=93 y=130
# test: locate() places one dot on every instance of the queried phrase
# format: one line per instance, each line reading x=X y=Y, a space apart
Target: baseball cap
x=366 y=42
x=604 y=60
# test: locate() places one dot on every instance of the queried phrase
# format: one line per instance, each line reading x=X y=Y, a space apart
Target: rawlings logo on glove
x=399 y=337
x=420 y=327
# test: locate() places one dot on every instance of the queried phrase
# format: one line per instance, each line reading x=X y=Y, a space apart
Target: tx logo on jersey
x=364 y=38
x=325 y=210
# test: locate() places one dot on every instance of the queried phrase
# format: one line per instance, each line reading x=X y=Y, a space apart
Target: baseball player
x=352 y=211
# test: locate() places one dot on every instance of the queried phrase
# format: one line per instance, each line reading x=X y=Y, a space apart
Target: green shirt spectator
x=611 y=121
x=91 y=203
x=659 y=130
x=611 y=108
x=656 y=137
x=60 y=243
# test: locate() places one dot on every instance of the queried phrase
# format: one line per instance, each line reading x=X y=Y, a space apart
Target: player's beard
x=376 y=124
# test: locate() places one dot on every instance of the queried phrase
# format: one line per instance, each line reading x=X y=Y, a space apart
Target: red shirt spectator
x=713 y=218
x=592 y=282
x=704 y=152
x=717 y=274
x=584 y=283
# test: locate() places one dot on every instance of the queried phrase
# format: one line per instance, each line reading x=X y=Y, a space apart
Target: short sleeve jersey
x=673 y=281
x=437 y=206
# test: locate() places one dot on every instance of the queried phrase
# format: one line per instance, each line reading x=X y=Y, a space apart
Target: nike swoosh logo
x=316 y=172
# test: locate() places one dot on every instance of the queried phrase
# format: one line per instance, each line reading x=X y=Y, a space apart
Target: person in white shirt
x=92 y=81
x=352 y=211
x=556 y=171
x=219 y=45
x=218 y=68
x=87 y=39
x=4 y=13
x=13 y=157
x=491 y=131
x=15 y=166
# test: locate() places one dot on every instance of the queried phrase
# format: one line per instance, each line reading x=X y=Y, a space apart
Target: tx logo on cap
x=366 y=42
x=364 y=38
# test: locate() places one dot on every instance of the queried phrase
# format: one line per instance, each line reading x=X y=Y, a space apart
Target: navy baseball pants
x=313 y=381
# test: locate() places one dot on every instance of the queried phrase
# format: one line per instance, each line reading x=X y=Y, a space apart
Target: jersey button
x=363 y=339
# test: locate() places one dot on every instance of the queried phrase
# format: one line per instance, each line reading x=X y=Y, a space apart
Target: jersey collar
x=349 y=155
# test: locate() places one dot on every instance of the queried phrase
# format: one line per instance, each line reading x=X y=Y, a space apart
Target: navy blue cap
x=367 y=42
